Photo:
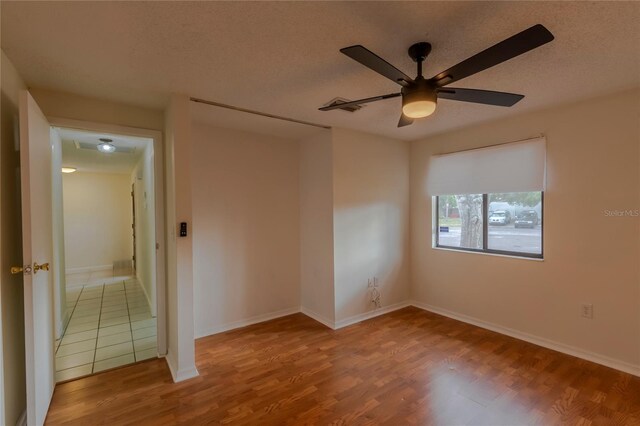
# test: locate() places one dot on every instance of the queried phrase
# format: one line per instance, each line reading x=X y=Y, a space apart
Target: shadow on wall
x=369 y=242
x=239 y=278
x=245 y=227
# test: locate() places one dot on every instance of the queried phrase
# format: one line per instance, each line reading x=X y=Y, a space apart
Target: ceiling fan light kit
x=420 y=95
x=419 y=100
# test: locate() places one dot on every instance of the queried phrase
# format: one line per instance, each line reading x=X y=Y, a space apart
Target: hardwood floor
x=409 y=367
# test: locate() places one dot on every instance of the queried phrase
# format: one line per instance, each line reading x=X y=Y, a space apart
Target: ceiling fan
x=420 y=95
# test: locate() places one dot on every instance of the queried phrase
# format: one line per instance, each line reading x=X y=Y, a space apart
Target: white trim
x=511 y=256
x=66 y=316
x=371 y=314
x=159 y=186
x=88 y=269
x=177 y=375
x=320 y=318
x=306 y=311
x=22 y=420
x=245 y=322
x=144 y=290
x=536 y=340
x=95 y=126
x=161 y=243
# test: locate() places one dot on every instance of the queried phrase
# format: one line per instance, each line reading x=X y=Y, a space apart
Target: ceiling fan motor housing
x=418 y=92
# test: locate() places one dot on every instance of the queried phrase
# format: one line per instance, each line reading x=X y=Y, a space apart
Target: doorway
x=133 y=226
x=105 y=283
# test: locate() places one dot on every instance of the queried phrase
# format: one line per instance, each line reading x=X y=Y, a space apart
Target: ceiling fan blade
x=339 y=104
x=404 y=121
x=480 y=96
x=376 y=63
x=516 y=45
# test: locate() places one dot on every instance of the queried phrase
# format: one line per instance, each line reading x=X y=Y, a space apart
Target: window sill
x=537 y=259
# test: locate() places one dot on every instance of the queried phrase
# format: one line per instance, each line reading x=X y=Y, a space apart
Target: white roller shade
x=510 y=167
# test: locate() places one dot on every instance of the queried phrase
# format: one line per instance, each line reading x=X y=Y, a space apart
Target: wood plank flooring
x=409 y=367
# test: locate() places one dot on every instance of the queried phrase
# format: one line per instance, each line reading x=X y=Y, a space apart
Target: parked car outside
x=500 y=217
x=526 y=219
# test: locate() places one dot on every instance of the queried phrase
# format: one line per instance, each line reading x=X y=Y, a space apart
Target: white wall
x=180 y=310
x=143 y=180
x=57 y=212
x=97 y=220
x=348 y=192
x=317 y=297
x=371 y=220
x=68 y=105
x=246 y=245
x=12 y=375
x=593 y=150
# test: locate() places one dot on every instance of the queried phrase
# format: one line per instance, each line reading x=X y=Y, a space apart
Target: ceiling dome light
x=106 y=146
x=419 y=99
x=69 y=169
x=419 y=109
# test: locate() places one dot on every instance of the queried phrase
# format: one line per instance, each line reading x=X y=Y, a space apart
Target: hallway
x=110 y=326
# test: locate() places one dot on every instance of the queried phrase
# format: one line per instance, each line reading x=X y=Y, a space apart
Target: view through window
x=507 y=223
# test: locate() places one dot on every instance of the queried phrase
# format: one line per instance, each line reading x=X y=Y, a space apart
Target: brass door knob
x=42 y=267
x=26 y=269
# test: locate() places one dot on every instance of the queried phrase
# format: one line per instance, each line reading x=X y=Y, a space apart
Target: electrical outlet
x=587 y=311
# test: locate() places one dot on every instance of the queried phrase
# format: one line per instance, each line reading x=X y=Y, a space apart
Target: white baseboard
x=146 y=295
x=61 y=323
x=370 y=314
x=208 y=331
x=84 y=285
x=89 y=269
x=180 y=375
x=306 y=311
x=320 y=318
x=536 y=340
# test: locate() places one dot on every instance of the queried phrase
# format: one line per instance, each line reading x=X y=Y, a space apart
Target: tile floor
x=110 y=325
x=106 y=276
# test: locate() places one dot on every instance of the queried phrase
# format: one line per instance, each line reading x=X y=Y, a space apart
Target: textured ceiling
x=86 y=160
x=231 y=119
x=282 y=58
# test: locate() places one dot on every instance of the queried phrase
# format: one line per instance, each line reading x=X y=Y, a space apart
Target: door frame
x=133 y=224
x=159 y=185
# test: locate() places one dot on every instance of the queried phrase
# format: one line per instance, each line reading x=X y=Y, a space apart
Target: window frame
x=485 y=232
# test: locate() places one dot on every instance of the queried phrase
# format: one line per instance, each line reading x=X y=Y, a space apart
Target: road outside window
x=503 y=223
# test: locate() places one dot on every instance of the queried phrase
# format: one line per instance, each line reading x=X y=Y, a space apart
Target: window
x=503 y=223
x=457 y=213
x=490 y=199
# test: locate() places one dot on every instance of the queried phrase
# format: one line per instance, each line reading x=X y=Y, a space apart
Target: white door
x=37 y=249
